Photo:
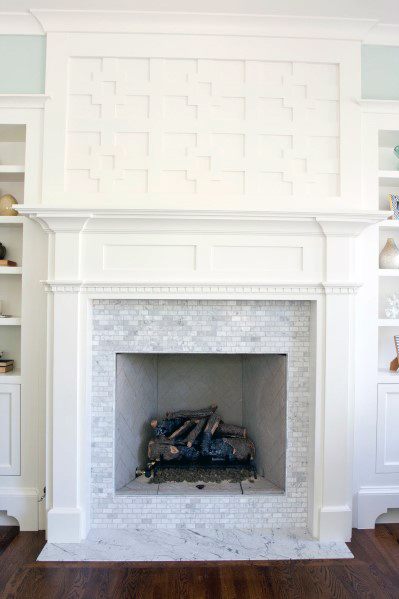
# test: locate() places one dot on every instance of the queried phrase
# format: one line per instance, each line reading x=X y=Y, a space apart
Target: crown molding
x=383 y=34
x=23 y=100
x=19 y=23
x=84 y=21
x=379 y=106
x=42 y=21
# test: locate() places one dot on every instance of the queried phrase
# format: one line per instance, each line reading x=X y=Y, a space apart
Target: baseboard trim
x=64 y=525
x=21 y=504
x=335 y=523
x=373 y=501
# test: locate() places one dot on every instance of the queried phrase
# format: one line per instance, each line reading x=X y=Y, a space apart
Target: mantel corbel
x=349 y=226
x=58 y=222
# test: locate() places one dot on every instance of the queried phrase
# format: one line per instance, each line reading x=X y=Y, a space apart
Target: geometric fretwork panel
x=196 y=126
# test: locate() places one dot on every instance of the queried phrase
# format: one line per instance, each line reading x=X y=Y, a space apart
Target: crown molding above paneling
x=19 y=23
x=41 y=21
x=201 y=23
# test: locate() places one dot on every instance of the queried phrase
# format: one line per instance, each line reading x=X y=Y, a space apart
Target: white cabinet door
x=387 y=429
x=10 y=429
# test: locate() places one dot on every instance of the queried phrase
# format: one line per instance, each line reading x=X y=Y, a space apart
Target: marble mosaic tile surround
x=203 y=326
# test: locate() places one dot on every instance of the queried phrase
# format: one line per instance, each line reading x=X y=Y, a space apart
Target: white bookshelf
x=22 y=337
x=12 y=169
x=388 y=279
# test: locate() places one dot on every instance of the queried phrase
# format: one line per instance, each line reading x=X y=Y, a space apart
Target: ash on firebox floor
x=204 y=475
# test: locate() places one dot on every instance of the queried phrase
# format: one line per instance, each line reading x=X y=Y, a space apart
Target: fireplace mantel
x=342 y=222
x=110 y=253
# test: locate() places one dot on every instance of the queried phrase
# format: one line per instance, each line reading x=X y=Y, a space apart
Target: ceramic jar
x=6 y=203
x=389 y=256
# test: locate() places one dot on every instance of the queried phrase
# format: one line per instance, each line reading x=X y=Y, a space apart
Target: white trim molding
x=19 y=23
x=22 y=504
x=96 y=288
x=338 y=223
x=23 y=100
x=380 y=106
x=372 y=501
x=119 y=21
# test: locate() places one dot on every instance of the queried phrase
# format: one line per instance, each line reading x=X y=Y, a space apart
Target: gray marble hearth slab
x=110 y=545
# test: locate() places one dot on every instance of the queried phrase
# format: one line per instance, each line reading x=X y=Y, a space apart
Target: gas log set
x=188 y=437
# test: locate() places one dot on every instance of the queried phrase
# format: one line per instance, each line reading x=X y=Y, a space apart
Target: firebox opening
x=249 y=391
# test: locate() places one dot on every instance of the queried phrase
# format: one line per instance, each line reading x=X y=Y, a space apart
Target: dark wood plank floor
x=374 y=574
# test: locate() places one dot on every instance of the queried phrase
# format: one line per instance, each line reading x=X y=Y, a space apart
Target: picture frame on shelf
x=394 y=206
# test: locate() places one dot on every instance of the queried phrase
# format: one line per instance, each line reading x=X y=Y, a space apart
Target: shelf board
x=10 y=322
x=10 y=270
x=388 y=322
x=12 y=377
x=389 y=224
x=12 y=168
x=386 y=376
x=388 y=272
x=388 y=178
x=17 y=220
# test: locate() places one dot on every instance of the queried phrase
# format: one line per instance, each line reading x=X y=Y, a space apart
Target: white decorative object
x=392 y=311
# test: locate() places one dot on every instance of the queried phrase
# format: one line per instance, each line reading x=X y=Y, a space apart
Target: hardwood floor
x=374 y=574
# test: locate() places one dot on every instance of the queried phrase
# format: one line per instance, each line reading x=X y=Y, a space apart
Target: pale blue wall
x=22 y=64
x=380 y=72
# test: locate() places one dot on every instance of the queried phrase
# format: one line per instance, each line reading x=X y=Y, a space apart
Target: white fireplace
x=212 y=160
x=115 y=272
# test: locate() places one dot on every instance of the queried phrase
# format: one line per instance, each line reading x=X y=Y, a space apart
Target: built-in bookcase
x=12 y=178
x=388 y=280
x=22 y=337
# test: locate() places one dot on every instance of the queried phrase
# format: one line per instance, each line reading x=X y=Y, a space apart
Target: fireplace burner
x=198 y=440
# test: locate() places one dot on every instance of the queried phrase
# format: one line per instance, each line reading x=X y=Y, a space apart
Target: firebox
x=190 y=412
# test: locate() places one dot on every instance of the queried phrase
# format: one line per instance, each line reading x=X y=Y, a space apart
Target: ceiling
x=385 y=11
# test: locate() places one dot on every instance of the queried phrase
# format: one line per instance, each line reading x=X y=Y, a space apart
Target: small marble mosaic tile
x=199 y=326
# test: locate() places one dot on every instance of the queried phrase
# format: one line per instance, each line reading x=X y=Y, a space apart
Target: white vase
x=389 y=256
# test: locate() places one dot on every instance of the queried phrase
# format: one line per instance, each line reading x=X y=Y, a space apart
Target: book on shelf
x=6 y=366
x=7 y=263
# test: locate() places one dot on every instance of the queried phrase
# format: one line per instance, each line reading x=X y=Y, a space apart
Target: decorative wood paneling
x=202 y=126
x=10 y=429
x=387 y=429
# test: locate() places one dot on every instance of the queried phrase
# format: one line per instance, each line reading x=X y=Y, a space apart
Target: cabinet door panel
x=10 y=430
x=387 y=429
